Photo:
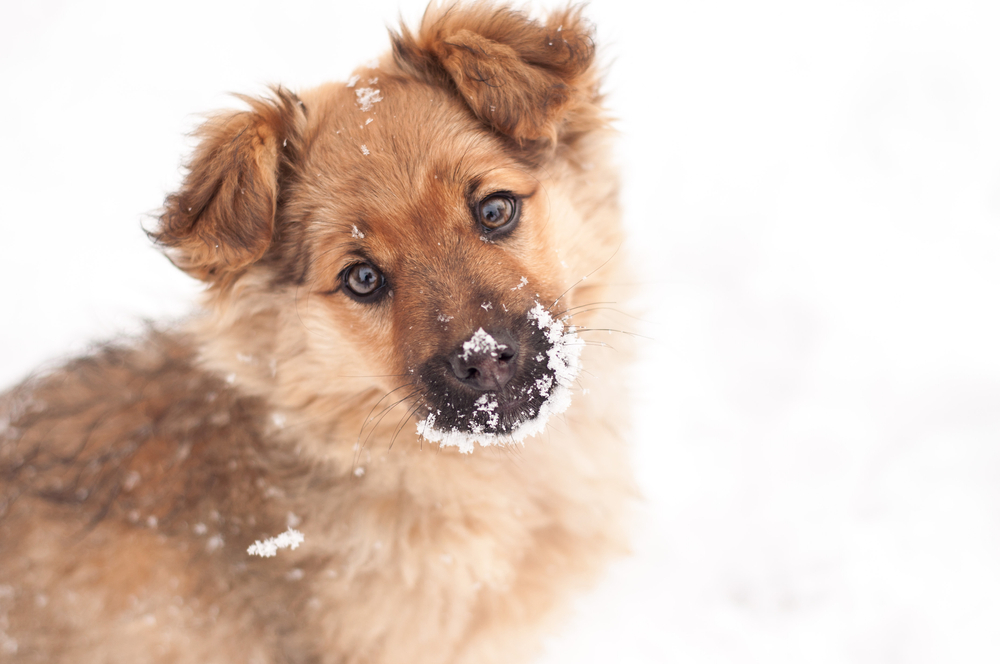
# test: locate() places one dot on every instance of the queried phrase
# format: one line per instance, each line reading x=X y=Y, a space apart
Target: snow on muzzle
x=502 y=390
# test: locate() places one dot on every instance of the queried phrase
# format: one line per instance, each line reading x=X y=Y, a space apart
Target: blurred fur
x=134 y=479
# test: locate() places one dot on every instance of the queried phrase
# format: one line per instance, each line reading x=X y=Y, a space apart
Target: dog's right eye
x=363 y=281
x=499 y=212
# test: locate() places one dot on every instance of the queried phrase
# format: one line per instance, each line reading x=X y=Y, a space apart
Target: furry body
x=134 y=479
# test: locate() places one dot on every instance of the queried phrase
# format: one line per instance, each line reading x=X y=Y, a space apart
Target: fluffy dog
x=380 y=380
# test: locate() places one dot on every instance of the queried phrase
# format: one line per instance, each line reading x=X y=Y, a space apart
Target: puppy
x=374 y=444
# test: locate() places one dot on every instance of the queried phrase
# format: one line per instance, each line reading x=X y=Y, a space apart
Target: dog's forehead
x=391 y=143
x=399 y=161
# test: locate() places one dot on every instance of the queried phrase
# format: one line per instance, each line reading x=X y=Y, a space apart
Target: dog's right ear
x=222 y=219
x=528 y=80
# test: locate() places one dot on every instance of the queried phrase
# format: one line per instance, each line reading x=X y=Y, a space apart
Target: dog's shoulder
x=135 y=433
x=122 y=473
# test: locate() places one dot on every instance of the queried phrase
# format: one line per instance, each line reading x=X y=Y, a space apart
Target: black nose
x=485 y=362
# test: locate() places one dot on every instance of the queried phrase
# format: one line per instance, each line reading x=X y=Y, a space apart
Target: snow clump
x=367 y=97
x=482 y=342
x=290 y=539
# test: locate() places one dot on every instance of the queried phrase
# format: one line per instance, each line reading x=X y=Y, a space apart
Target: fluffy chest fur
x=151 y=477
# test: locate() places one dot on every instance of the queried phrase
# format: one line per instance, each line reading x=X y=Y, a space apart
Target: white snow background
x=813 y=192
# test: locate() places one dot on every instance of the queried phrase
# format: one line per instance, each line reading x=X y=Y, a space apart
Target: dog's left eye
x=499 y=211
x=363 y=281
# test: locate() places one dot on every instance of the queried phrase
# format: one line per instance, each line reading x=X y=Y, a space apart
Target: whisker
x=598 y=344
x=369 y=417
x=382 y=417
x=584 y=278
x=579 y=312
x=609 y=329
x=409 y=413
x=566 y=316
x=358 y=396
x=569 y=317
x=514 y=453
x=566 y=311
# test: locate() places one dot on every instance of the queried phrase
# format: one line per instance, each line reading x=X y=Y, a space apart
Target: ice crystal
x=367 y=97
x=290 y=539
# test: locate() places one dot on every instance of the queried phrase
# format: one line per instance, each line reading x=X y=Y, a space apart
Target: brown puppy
x=391 y=265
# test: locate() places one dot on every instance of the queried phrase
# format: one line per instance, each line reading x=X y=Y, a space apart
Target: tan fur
x=134 y=479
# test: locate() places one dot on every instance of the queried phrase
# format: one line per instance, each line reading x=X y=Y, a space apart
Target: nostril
x=486 y=362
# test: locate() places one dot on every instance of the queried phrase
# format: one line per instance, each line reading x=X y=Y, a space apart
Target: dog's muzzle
x=500 y=384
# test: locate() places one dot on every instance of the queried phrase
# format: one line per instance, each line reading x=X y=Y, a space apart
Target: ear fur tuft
x=222 y=219
x=519 y=76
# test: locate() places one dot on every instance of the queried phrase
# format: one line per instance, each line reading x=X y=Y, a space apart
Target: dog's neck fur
x=508 y=523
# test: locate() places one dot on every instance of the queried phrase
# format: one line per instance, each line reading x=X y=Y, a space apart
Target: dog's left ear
x=521 y=77
x=222 y=219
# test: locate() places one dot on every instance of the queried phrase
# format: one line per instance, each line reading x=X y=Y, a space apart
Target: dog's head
x=418 y=228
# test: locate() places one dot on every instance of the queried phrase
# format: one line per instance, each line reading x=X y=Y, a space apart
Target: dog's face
x=431 y=239
x=416 y=221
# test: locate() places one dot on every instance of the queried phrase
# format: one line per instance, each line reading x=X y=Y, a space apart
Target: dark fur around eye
x=498 y=213
x=363 y=282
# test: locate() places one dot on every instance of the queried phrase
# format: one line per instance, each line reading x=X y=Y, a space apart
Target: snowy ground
x=814 y=194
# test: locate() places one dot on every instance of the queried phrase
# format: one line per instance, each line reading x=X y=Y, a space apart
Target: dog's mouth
x=507 y=391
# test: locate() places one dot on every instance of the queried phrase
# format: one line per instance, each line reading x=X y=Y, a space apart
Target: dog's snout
x=486 y=362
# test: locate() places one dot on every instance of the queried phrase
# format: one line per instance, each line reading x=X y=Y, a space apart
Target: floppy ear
x=518 y=76
x=222 y=219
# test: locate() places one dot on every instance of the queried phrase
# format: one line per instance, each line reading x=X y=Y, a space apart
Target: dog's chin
x=521 y=409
